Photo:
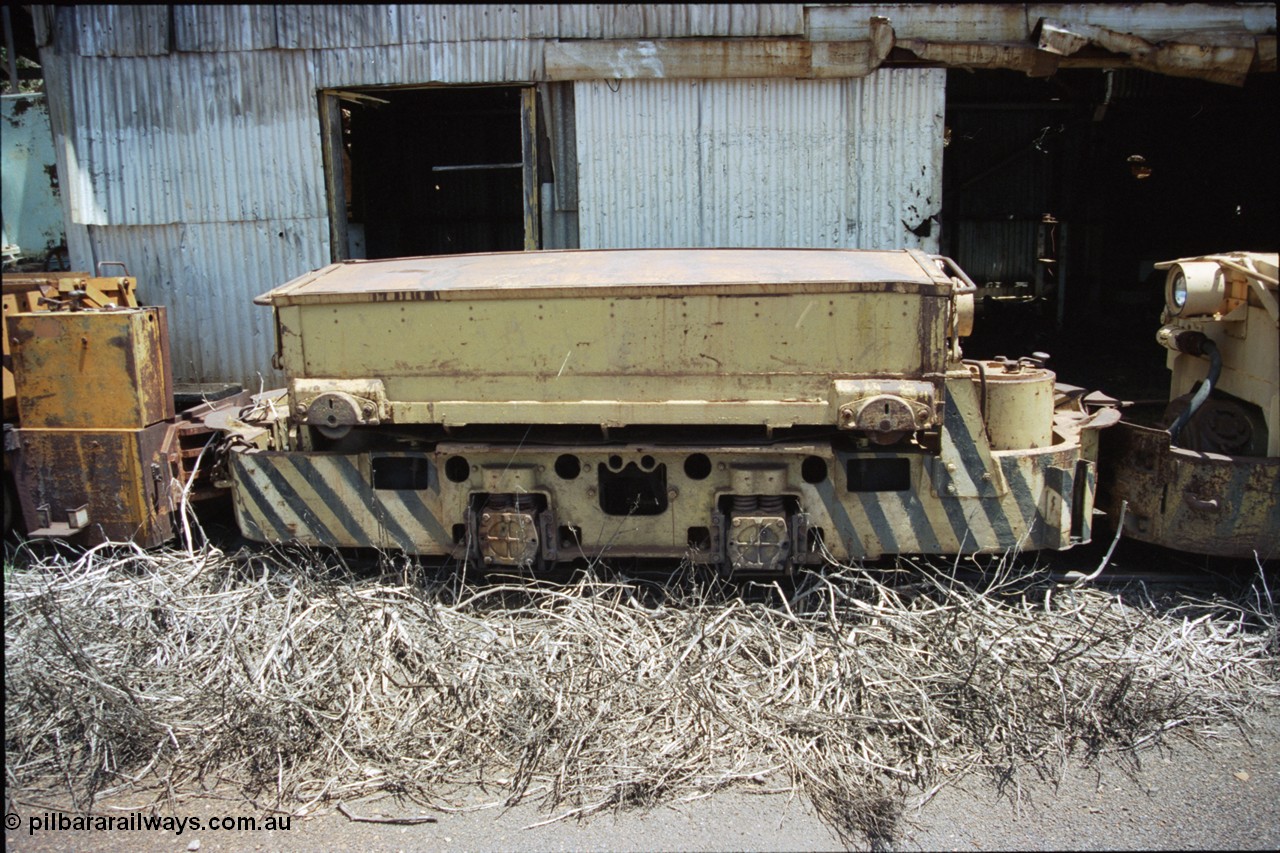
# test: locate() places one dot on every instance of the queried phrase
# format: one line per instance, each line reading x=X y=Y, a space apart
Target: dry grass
x=301 y=682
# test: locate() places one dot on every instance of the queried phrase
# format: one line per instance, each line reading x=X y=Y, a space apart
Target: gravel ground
x=1214 y=793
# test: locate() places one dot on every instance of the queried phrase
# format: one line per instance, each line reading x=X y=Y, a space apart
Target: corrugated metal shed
x=337 y=25
x=896 y=187
x=458 y=63
x=113 y=30
x=209 y=27
x=822 y=163
x=997 y=251
x=117 y=30
x=198 y=137
x=189 y=135
x=478 y=22
x=679 y=20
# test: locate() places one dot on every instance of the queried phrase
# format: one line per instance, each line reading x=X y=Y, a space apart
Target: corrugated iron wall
x=1005 y=170
x=121 y=30
x=804 y=163
x=195 y=137
x=189 y=141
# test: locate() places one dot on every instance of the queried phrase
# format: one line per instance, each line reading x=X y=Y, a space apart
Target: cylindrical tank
x=1018 y=401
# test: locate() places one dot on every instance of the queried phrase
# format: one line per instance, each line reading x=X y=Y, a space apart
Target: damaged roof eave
x=1219 y=54
x=1222 y=56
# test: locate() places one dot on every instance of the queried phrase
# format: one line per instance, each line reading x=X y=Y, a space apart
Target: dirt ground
x=1217 y=793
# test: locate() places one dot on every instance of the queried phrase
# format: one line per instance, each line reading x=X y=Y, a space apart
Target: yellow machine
x=755 y=409
x=1202 y=473
x=92 y=458
x=26 y=292
x=93 y=449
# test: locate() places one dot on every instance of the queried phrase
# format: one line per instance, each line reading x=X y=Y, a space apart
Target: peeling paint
x=32 y=202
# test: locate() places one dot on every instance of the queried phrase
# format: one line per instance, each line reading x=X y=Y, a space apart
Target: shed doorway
x=437 y=171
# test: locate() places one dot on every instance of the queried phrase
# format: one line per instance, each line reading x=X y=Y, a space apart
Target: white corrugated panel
x=215 y=27
x=443 y=22
x=456 y=62
x=896 y=184
x=336 y=25
x=122 y=30
x=32 y=202
x=194 y=138
x=639 y=166
x=794 y=163
x=679 y=20
x=208 y=276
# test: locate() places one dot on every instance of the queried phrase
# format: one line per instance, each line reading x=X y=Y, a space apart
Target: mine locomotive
x=752 y=409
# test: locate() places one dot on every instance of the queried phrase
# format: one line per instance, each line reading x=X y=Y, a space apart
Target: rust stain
x=1188 y=501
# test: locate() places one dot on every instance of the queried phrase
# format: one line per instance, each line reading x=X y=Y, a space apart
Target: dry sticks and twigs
x=305 y=682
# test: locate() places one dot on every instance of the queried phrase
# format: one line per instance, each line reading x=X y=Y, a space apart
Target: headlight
x=1195 y=288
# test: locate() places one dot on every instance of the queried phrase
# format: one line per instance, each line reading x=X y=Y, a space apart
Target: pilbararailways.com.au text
x=139 y=822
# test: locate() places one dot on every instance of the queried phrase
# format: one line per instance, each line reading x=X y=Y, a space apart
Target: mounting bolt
x=951 y=489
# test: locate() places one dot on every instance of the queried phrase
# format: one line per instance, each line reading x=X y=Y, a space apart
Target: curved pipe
x=1209 y=348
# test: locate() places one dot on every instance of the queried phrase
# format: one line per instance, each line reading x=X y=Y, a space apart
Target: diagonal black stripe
x=920 y=523
x=247 y=465
x=959 y=524
x=971 y=457
x=346 y=467
x=296 y=502
x=880 y=525
x=1027 y=504
x=844 y=526
x=315 y=476
x=417 y=508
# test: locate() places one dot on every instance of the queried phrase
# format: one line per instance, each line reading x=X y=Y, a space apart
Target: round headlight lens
x=1178 y=292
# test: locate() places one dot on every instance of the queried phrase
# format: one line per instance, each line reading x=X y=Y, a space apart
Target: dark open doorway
x=1061 y=193
x=431 y=171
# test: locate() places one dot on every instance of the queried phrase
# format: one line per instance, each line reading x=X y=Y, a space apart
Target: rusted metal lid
x=615 y=272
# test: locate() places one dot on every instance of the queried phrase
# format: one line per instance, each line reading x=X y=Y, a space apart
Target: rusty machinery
x=93 y=449
x=1201 y=473
x=753 y=409
x=45 y=291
